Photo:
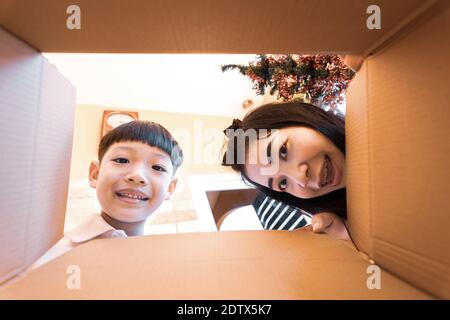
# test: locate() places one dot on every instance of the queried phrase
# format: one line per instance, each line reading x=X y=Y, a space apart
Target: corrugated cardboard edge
x=36 y=137
x=212 y=265
x=357 y=158
x=374 y=231
x=202 y=26
x=406 y=25
x=410 y=229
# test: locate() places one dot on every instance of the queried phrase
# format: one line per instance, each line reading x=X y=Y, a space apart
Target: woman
x=294 y=152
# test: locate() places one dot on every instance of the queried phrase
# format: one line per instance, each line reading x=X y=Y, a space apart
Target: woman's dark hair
x=148 y=132
x=283 y=115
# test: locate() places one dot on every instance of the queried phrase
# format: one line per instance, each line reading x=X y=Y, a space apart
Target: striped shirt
x=276 y=215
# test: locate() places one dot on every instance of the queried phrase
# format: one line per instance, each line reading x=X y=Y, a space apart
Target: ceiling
x=188 y=83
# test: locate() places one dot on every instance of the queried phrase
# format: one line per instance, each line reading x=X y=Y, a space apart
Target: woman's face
x=297 y=160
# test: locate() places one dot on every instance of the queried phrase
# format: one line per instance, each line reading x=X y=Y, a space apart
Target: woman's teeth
x=327 y=172
x=329 y=169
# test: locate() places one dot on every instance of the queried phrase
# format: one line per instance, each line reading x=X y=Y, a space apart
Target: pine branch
x=323 y=77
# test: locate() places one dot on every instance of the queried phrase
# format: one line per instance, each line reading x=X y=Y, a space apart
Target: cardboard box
x=36 y=127
x=397 y=126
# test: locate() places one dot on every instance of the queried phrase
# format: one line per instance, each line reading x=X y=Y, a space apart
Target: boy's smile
x=132 y=195
x=132 y=180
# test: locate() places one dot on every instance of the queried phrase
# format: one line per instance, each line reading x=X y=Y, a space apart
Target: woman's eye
x=282 y=185
x=158 y=168
x=121 y=160
x=283 y=151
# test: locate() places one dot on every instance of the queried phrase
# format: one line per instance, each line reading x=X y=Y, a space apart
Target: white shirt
x=93 y=227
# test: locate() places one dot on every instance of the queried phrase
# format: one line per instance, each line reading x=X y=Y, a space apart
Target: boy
x=134 y=174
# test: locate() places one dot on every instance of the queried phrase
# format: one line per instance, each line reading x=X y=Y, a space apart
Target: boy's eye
x=158 y=168
x=121 y=160
x=282 y=185
x=283 y=151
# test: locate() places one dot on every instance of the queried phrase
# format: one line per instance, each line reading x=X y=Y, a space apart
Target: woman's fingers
x=330 y=224
x=321 y=221
x=354 y=62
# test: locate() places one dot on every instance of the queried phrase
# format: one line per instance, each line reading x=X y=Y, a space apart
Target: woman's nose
x=298 y=173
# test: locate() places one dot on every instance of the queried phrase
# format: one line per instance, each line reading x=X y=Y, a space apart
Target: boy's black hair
x=150 y=133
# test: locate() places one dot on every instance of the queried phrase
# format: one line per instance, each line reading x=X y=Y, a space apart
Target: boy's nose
x=137 y=177
x=141 y=181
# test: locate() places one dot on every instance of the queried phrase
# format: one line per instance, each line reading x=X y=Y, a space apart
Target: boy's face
x=132 y=180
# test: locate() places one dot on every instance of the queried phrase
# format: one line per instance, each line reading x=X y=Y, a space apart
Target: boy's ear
x=171 y=189
x=93 y=173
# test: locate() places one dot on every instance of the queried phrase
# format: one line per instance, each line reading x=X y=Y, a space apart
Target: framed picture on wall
x=114 y=118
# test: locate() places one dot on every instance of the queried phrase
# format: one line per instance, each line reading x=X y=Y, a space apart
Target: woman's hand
x=354 y=61
x=330 y=223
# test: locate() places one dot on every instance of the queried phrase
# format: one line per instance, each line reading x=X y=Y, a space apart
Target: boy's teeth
x=131 y=196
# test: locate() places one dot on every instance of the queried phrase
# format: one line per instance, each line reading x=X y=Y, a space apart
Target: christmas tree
x=324 y=78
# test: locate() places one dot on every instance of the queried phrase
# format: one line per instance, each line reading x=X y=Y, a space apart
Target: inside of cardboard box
x=386 y=228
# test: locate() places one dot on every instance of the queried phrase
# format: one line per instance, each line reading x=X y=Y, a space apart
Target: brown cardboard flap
x=216 y=265
x=399 y=181
x=357 y=159
x=203 y=26
x=36 y=127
